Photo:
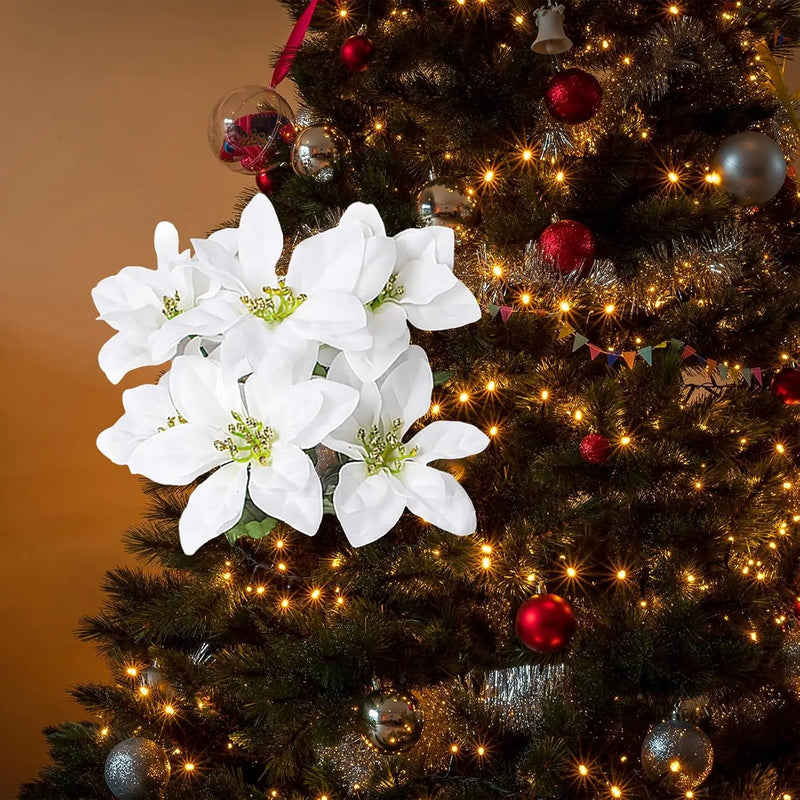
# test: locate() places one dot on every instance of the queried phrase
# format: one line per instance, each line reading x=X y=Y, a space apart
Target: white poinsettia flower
x=259 y=312
x=151 y=309
x=422 y=289
x=252 y=436
x=388 y=475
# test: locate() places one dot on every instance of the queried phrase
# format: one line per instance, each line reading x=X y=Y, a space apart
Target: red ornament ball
x=356 y=52
x=796 y=608
x=264 y=182
x=786 y=386
x=568 y=245
x=595 y=448
x=545 y=623
x=573 y=96
x=287 y=132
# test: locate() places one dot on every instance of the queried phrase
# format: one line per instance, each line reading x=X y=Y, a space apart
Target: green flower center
x=249 y=440
x=385 y=450
x=276 y=305
x=391 y=292
x=171 y=310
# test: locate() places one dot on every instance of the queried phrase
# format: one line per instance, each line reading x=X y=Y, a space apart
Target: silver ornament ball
x=137 y=769
x=317 y=150
x=391 y=722
x=154 y=680
x=448 y=202
x=751 y=166
x=677 y=755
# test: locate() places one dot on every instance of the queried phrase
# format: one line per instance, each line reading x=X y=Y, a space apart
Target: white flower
x=387 y=475
x=417 y=287
x=254 y=435
x=260 y=312
x=150 y=309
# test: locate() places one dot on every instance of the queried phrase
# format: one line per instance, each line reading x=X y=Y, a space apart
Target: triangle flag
x=723 y=372
x=758 y=375
x=630 y=357
x=506 y=312
x=580 y=341
x=612 y=359
x=594 y=350
x=647 y=354
x=677 y=343
x=747 y=374
x=566 y=330
x=660 y=345
x=687 y=351
x=492 y=309
x=712 y=366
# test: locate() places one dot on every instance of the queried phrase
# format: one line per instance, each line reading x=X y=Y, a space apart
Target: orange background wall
x=104 y=106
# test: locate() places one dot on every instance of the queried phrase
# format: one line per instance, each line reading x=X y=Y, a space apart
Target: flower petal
x=260 y=243
x=446 y=439
x=438 y=498
x=178 y=455
x=413 y=242
x=388 y=331
x=165 y=241
x=330 y=261
x=328 y=317
x=203 y=393
x=123 y=352
x=214 y=507
x=367 y=506
x=367 y=215
x=406 y=389
x=451 y=309
x=289 y=489
x=424 y=279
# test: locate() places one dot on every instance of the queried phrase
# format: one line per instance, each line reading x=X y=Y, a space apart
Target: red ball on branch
x=595 y=448
x=356 y=52
x=573 y=96
x=264 y=182
x=568 y=245
x=545 y=623
x=786 y=386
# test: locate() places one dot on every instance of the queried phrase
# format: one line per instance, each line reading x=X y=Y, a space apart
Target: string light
x=132 y=671
x=622 y=574
x=780 y=448
x=625 y=440
x=610 y=308
x=454 y=748
x=525 y=299
x=463 y=397
x=583 y=769
x=674 y=10
x=261 y=590
x=435 y=409
x=527 y=154
x=545 y=394
x=564 y=306
x=491 y=386
x=144 y=691
x=188 y=766
x=169 y=710
x=493 y=430
x=616 y=791
x=104 y=731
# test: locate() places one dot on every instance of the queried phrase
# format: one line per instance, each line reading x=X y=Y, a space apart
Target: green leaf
x=252 y=523
x=442 y=376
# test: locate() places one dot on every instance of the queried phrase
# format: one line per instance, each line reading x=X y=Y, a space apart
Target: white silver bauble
x=751 y=166
x=448 y=202
x=391 y=722
x=677 y=755
x=153 y=679
x=137 y=769
x=317 y=150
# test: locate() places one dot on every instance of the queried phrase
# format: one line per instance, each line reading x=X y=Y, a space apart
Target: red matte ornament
x=356 y=52
x=573 y=96
x=264 y=182
x=568 y=245
x=786 y=386
x=546 y=623
x=595 y=448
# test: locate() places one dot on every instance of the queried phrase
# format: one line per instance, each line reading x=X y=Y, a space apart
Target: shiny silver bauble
x=317 y=150
x=391 y=722
x=677 y=755
x=751 y=166
x=137 y=769
x=448 y=202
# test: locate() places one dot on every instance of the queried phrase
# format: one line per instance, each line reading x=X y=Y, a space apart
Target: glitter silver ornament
x=137 y=769
x=677 y=755
x=448 y=202
x=751 y=166
x=391 y=722
x=317 y=150
x=154 y=680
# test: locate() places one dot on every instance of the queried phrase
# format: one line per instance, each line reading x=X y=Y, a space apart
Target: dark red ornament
x=287 y=132
x=356 y=52
x=796 y=608
x=545 y=623
x=573 y=96
x=595 y=448
x=568 y=245
x=264 y=182
x=786 y=386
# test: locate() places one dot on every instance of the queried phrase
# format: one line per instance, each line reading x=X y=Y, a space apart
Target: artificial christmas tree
x=603 y=438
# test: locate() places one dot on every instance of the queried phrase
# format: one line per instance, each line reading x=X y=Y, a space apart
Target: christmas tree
x=490 y=489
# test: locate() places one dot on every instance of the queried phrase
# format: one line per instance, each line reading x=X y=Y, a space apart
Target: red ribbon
x=292 y=45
